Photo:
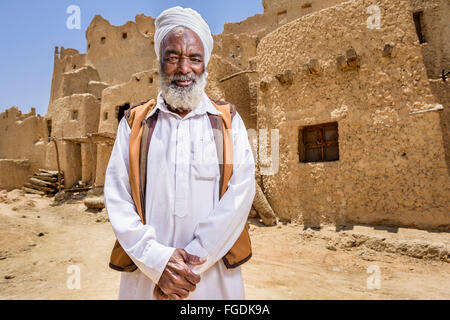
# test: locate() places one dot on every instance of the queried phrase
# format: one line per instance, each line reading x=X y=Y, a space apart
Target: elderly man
x=189 y=228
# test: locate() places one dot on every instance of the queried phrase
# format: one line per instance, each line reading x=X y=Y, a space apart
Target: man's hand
x=177 y=279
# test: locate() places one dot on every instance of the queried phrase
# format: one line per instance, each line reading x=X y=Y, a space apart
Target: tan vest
x=140 y=136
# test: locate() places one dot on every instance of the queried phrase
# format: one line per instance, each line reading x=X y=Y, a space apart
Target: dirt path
x=39 y=242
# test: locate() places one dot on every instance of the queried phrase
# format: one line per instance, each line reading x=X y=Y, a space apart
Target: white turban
x=187 y=17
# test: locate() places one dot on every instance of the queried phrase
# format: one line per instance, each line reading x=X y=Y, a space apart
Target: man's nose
x=184 y=66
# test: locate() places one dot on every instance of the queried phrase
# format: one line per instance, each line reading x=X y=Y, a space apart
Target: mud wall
x=73 y=116
x=23 y=136
x=391 y=168
x=13 y=173
x=118 y=52
x=65 y=60
x=435 y=25
x=235 y=90
x=139 y=88
x=441 y=91
x=277 y=13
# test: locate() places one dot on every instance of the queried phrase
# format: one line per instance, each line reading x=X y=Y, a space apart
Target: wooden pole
x=236 y=74
x=57 y=160
x=94 y=164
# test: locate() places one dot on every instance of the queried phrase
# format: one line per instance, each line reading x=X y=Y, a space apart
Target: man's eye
x=172 y=59
x=196 y=60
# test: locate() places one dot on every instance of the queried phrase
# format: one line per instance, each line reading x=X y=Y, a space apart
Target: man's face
x=182 y=54
x=182 y=69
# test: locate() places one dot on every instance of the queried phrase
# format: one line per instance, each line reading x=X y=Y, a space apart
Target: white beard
x=182 y=98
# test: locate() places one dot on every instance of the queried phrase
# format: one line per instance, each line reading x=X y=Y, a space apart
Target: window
x=124 y=35
x=418 y=21
x=319 y=143
x=282 y=17
x=49 y=128
x=120 y=111
x=103 y=40
x=74 y=115
x=150 y=80
x=105 y=116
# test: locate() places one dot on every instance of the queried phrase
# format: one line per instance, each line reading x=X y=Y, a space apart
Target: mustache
x=182 y=77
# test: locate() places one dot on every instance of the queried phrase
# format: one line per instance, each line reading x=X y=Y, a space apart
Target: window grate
x=319 y=143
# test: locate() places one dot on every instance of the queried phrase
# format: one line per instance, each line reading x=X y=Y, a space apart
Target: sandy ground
x=39 y=243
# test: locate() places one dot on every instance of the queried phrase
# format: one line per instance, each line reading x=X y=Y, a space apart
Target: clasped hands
x=177 y=279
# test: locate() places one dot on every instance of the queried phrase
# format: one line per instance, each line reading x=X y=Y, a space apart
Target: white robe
x=181 y=203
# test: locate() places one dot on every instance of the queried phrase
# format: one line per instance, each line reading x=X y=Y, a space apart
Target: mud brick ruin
x=362 y=111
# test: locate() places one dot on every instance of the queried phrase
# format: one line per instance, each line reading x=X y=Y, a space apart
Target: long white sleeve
x=214 y=236
x=138 y=240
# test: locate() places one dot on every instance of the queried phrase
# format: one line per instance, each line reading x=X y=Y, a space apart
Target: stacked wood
x=44 y=182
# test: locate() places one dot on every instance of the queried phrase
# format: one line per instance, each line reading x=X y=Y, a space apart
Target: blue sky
x=29 y=31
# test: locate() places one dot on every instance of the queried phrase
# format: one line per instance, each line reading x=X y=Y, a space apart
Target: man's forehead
x=181 y=36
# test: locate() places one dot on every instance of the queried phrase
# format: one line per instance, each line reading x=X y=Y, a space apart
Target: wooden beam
x=236 y=74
